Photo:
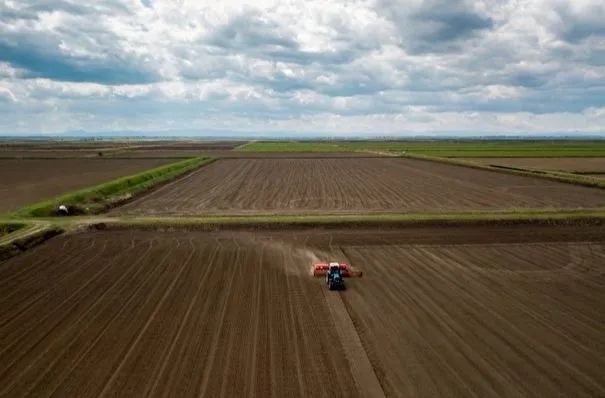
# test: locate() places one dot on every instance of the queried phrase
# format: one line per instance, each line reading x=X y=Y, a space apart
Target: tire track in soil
x=551 y=358
x=67 y=341
x=293 y=329
x=218 y=330
x=158 y=307
x=432 y=320
x=430 y=364
x=524 y=303
x=365 y=377
x=254 y=351
x=168 y=352
x=67 y=338
x=103 y=353
x=557 y=356
x=74 y=336
x=309 y=318
x=14 y=292
x=188 y=356
x=363 y=372
x=466 y=333
x=240 y=319
x=20 y=335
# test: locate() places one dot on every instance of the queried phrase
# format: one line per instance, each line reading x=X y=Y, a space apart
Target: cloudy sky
x=334 y=66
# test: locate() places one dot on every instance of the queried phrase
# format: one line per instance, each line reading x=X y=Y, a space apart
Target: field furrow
x=453 y=312
x=247 y=186
x=27 y=181
x=475 y=319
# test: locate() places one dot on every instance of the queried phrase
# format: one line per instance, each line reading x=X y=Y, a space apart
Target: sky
x=383 y=67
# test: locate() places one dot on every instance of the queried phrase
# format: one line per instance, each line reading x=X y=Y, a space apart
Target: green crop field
x=293 y=146
x=467 y=149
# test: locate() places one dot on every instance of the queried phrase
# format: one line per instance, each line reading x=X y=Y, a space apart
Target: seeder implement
x=321 y=269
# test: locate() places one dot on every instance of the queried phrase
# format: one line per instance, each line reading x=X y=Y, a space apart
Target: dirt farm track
x=510 y=312
x=354 y=185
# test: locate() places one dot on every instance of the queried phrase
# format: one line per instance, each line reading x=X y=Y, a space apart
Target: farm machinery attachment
x=335 y=272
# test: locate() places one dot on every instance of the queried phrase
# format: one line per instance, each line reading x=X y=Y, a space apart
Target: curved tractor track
x=221 y=314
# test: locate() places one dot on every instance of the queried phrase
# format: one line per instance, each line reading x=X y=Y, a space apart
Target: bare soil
x=57 y=149
x=245 y=186
x=52 y=153
x=93 y=145
x=230 y=154
x=147 y=313
x=564 y=164
x=26 y=181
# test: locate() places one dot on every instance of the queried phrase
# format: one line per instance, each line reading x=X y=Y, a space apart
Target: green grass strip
x=10 y=227
x=496 y=215
x=442 y=148
x=97 y=198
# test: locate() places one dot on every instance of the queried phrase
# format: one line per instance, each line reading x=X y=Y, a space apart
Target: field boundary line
x=376 y=220
x=242 y=146
x=23 y=232
x=551 y=175
x=167 y=184
x=325 y=221
x=363 y=372
x=27 y=238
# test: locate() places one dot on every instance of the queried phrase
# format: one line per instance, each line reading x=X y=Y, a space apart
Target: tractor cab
x=333 y=268
x=334 y=278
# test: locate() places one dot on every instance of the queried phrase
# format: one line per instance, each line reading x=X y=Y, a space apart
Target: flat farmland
x=347 y=185
x=54 y=153
x=146 y=313
x=573 y=164
x=230 y=154
x=26 y=181
x=514 y=319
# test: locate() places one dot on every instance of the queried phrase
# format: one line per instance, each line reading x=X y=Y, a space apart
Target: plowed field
x=230 y=154
x=127 y=313
x=352 y=186
x=574 y=164
x=26 y=181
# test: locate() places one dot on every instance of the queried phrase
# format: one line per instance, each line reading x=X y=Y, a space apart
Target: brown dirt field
x=107 y=144
x=229 y=154
x=26 y=181
x=483 y=320
x=148 y=314
x=51 y=153
x=136 y=149
x=197 y=145
x=244 y=186
x=132 y=313
x=575 y=164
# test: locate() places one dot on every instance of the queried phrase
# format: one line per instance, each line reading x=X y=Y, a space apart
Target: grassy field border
x=7 y=228
x=399 y=219
x=441 y=148
x=37 y=231
x=26 y=238
x=111 y=193
x=552 y=175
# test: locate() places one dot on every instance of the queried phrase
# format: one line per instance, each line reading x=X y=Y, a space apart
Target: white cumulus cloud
x=344 y=66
